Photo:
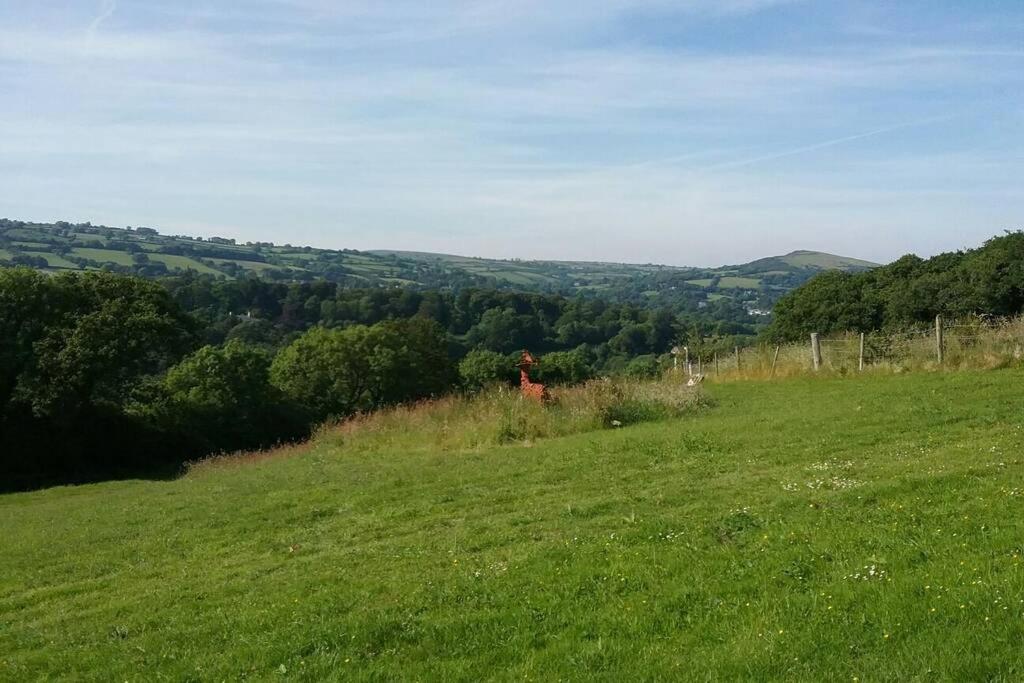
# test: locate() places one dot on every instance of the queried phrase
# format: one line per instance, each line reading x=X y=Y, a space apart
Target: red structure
x=530 y=389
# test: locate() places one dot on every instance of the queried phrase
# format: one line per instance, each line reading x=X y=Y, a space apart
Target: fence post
x=815 y=350
x=860 y=365
x=737 y=349
x=938 y=338
x=775 y=359
x=716 y=364
x=689 y=370
x=700 y=364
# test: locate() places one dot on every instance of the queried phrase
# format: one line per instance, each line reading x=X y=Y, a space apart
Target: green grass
x=729 y=282
x=823 y=260
x=250 y=265
x=122 y=258
x=55 y=261
x=730 y=544
x=174 y=261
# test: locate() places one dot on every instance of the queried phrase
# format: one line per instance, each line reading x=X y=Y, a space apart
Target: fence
x=975 y=343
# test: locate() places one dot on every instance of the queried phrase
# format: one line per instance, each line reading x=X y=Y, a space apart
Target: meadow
x=861 y=528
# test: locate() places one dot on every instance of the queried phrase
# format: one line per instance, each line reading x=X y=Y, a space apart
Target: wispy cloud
x=107 y=9
x=612 y=128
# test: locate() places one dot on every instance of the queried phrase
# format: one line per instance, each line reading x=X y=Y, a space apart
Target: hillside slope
x=143 y=251
x=801 y=530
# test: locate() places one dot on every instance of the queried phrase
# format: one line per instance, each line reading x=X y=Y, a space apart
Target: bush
x=335 y=373
x=643 y=367
x=564 y=367
x=221 y=397
x=482 y=368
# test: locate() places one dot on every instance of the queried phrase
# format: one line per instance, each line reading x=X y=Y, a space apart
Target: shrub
x=221 y=397
x=335 y=373
x=564 y=367
x=482 y=368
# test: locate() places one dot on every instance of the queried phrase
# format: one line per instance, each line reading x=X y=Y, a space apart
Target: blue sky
x=695 y=132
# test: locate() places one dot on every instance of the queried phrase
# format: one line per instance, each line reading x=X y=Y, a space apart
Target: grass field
x=864 y=528
x=729 y=282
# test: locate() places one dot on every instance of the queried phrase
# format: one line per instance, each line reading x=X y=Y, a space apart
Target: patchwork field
x=812 y=529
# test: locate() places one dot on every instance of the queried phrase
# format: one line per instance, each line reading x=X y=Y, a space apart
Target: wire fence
x=975 y=343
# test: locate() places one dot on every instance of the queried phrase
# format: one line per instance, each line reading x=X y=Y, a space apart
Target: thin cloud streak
x=463 y=124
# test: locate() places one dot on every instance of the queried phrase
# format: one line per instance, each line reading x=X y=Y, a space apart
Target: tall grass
x=973 y=343
x=497 y=416
x=501 y=415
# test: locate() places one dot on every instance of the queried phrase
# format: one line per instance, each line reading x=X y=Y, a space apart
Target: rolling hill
x=63 y=246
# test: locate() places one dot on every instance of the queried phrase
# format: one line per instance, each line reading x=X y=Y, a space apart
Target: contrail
x=107 y=8
x=826 y=143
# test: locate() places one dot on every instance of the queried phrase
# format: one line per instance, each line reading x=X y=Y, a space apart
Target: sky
x=687 y=132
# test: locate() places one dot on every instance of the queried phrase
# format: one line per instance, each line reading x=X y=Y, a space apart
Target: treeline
x=613 y=334
x=104 y=374
x=988 y=280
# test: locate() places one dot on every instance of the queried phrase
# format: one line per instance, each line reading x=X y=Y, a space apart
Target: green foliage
x=988 y=280
x=481 y=368
x=223 y=397
x=83 y=339
x=335 y=373
x=721 y=295
x=565 y=367
x=643 y=367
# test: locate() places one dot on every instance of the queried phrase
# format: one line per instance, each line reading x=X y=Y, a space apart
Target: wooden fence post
x=717 y=371
x=860 y=365
x=938 y=338
x=815 y=350
x=775 y=359
x=700 y=364
x=737 y=358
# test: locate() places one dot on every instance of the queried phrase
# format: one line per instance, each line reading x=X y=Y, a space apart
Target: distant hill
x=63 y=246
x=809 y=259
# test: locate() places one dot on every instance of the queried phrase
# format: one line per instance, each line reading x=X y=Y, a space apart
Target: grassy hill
x=66 y=246
x=812 y=529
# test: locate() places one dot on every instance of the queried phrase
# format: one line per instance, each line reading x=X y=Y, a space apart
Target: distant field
x=251 y=265
x=818 y=529
x=730 y=282
x=55 y=261
x=104 y=255
x=183 y=262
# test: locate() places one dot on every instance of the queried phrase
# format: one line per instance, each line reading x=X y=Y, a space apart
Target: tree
x=222 y=396
x=643 y=367
x=327 y=372
x=565 y=367
x=335 y=373
x=481 y=368
x=93 y=336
